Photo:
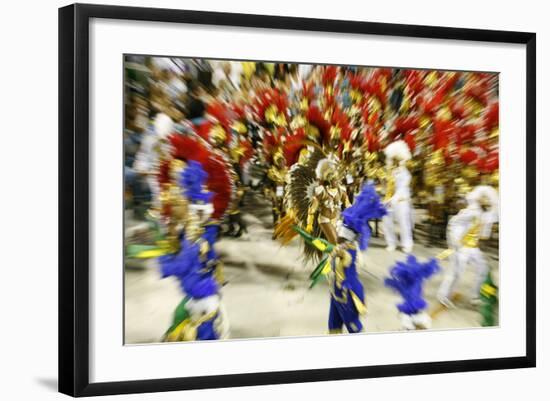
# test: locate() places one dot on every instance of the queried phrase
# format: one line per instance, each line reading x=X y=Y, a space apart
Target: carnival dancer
x=347 y=297
x=398 y=197
x=218 y=180
x=347 y=302
x=407 y=278
x=327 y=200
x=200 y=315
x=240 y=152
x=278 y=179
x=315 y=199
x=315 y=195
x=464 y=232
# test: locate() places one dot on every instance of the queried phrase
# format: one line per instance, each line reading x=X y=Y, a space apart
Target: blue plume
x=186 y=266
x=366 y=206
x=407 y=278
x=193 y=179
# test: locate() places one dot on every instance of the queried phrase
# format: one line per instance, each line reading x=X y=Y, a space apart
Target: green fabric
x=181 y=313
x=133 y=250
x=310 y=239
x=316 y=275
x=489 y=300
x=326 y=248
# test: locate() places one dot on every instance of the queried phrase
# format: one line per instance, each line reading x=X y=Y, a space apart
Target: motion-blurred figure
x=398 y=197
x=200 y=316
x=464 y=232
x=408 y=278
x=154 y=147
x=347 y=302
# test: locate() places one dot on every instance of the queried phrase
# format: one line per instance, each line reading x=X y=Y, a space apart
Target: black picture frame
x=74 y=194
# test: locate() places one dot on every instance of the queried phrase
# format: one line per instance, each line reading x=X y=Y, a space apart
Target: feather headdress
x=271 y=107
x=397 y=150
x=220 y=113
x=316 y=119
x=366 y=206
x=329 y=75
x=293 y=146
x=300 y=193
x=214 y=163
x=484 y=194
x=325 y=168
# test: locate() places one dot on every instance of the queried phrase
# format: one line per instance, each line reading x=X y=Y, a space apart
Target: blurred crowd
x=265 y=115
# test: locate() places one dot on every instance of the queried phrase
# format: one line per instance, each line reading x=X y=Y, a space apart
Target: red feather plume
x=219 y=176
x=219 y=112
x=490 y=163
x=316 y=118
x=270 y=143
x=490 y=119
x=293 y=145
x=329 y=74
x=248 y=152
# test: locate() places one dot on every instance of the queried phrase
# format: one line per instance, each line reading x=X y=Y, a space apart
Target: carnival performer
x=200 y=315
x=398 y=197
x=407 y=278
x=277 y=176
x=347 y=297
x=464 y=232
x=315 y=199
x=191 y=147
x=154 y=149
x=347 y=301
x=227 y=134
x=316 y=194
x=327 y=200
x=196 y=192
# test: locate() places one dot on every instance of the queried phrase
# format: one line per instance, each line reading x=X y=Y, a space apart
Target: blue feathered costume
x=193 y=265
x=407 y=278
x=347 y=301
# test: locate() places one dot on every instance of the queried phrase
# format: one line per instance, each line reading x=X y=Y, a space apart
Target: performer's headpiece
x=218 y=178
x=397 y=150
x=484 y=195
x=326 y=169
x=271 y=107
x=220 y=123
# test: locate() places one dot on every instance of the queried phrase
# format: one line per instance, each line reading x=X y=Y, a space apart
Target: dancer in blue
x=347 y=296
x=200 y=314
x=195 y=317
x=407 y=278
x=347 y=301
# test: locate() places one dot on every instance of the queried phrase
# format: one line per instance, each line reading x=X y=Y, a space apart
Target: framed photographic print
x=250 y=199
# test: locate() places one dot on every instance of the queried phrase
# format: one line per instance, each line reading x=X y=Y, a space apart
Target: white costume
x=398 y=198
x=463 y=234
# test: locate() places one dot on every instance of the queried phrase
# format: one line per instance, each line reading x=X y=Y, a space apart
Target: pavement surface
x=267 y=293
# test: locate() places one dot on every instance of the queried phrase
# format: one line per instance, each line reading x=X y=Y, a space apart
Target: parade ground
x=267 y=292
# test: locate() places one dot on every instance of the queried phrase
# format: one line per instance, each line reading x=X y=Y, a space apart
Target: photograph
x=267 y=199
